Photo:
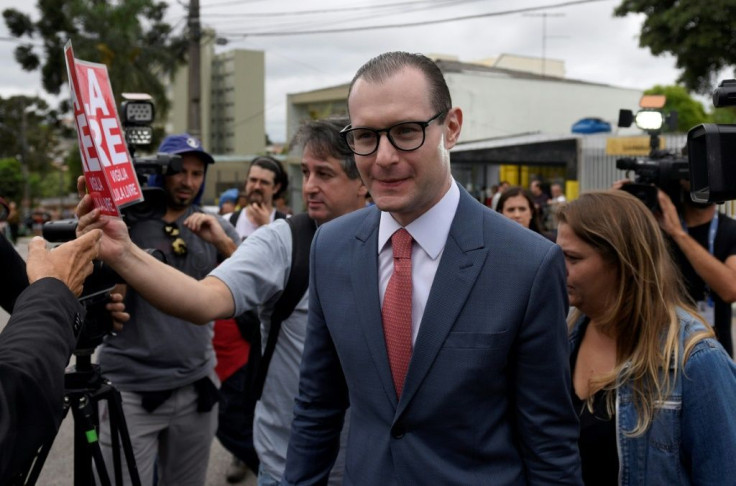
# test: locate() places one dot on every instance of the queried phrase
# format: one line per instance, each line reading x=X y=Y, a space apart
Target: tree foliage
x=29 y=131
x=130 y=37
x=11 y=180
x=690 y=112
x=700 y=34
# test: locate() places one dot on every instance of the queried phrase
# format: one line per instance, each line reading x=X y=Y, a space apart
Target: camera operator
x=705 y=250
x=37 y=342
x=163 y=365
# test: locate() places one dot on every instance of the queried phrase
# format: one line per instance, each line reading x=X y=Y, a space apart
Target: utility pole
x=26 y=204
x=195 y=87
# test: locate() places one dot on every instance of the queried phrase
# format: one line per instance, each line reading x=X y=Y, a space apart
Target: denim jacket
x=692 y=437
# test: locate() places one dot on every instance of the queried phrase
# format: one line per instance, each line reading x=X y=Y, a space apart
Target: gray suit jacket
x=487 y=393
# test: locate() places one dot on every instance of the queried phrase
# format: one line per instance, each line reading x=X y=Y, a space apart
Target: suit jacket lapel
x=364 y=278
x=460 y=264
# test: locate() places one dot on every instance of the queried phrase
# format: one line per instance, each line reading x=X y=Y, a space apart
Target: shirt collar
x=429 y=230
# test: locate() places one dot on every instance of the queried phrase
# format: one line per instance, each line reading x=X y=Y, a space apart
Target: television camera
x=662 y=169
x=711 y=148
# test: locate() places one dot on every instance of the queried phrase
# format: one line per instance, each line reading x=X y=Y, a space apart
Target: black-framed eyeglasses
x=405 y=136
x=178 y=245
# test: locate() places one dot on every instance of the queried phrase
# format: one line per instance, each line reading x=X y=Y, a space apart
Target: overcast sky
x=595 y=45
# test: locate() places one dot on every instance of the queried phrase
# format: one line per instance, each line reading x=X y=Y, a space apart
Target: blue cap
x=231 y=195
x=185 y=144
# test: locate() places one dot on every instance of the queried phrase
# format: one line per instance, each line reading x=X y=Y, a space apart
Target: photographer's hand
x=116 y=307
x=207 y=227
x=667 y=217
x=258 y=213
x=71 y=262
x=619 y=184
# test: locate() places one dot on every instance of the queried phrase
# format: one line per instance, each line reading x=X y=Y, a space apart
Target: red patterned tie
x=396 y=310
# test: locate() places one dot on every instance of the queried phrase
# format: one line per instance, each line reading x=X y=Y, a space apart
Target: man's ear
x=362 y=190
x=453 y=125
x=276 y=188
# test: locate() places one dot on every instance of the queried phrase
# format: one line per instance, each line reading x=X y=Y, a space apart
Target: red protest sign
x=108 y=167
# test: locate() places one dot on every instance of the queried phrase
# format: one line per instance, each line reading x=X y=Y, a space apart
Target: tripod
x=84 y=387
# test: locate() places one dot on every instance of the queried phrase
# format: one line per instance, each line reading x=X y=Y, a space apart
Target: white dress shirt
x=430 y=232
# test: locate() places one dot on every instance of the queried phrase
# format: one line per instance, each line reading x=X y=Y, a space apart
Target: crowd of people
x=424 y=338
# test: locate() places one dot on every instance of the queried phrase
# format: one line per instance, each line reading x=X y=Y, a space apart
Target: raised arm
x=168 y=289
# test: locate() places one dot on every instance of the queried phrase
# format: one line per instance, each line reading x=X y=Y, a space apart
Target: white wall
x=495 y=105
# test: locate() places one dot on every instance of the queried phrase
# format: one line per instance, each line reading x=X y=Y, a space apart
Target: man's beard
x=178 y=203
x=255 y=197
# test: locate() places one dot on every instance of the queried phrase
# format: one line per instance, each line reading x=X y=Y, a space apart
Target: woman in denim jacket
x=655 y=391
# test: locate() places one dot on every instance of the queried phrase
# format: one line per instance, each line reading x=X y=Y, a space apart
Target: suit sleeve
x=35 y=347
x=320 y=406
x=547 y=426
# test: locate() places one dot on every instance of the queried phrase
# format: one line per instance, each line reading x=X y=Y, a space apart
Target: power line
x=407 y=7
x=297 y=13
x=412 y=24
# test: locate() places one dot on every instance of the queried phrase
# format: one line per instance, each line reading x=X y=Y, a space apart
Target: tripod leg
x=87 y=445
x=32 y=474
x=118 y=424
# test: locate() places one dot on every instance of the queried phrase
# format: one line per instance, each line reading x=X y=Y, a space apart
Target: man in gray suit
x=440 y=323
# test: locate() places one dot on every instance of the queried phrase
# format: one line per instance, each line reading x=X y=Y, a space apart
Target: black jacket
x=35 y=347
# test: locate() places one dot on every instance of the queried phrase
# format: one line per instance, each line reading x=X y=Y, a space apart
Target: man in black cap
x=163 y=369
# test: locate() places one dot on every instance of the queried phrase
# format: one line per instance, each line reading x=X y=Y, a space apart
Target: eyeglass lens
x=404 y=136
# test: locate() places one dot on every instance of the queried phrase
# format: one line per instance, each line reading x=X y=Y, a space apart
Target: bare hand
x=258 y=213
x=206 y=226
x=71 y=262
x=619 y=184
x=668 y=218
x=116 y=308
x=115 y=239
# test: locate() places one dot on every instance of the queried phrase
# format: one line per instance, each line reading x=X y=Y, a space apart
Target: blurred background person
x=502 y=186
x=227 y=201
x=516 y=203
x=265 y=181
x=654 y=390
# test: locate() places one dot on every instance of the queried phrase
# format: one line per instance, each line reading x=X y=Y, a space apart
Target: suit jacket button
x=398 y=431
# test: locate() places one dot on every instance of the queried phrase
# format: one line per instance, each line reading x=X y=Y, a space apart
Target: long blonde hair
x=642 y=317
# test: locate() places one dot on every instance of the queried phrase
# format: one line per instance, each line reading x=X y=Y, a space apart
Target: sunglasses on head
x=178 y=245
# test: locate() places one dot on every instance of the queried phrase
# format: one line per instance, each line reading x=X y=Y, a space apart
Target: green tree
x=690 y=111
x=29 y=131
x=130 y=37
x=11 y=180
x=700 y=34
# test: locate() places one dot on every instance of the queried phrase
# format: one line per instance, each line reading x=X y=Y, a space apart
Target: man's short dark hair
x=324 y=140
x=269 y=163
x=385 y=65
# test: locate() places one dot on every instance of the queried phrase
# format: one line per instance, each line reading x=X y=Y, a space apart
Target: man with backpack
x=268 y=272
x=237 y=341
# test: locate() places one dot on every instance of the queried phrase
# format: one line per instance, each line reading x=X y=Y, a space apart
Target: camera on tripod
x=662 y=169
x=137 y=115
x=710 y=149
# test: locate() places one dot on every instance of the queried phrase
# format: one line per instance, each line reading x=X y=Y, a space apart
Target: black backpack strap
x=302 y=232
x=234 y=216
